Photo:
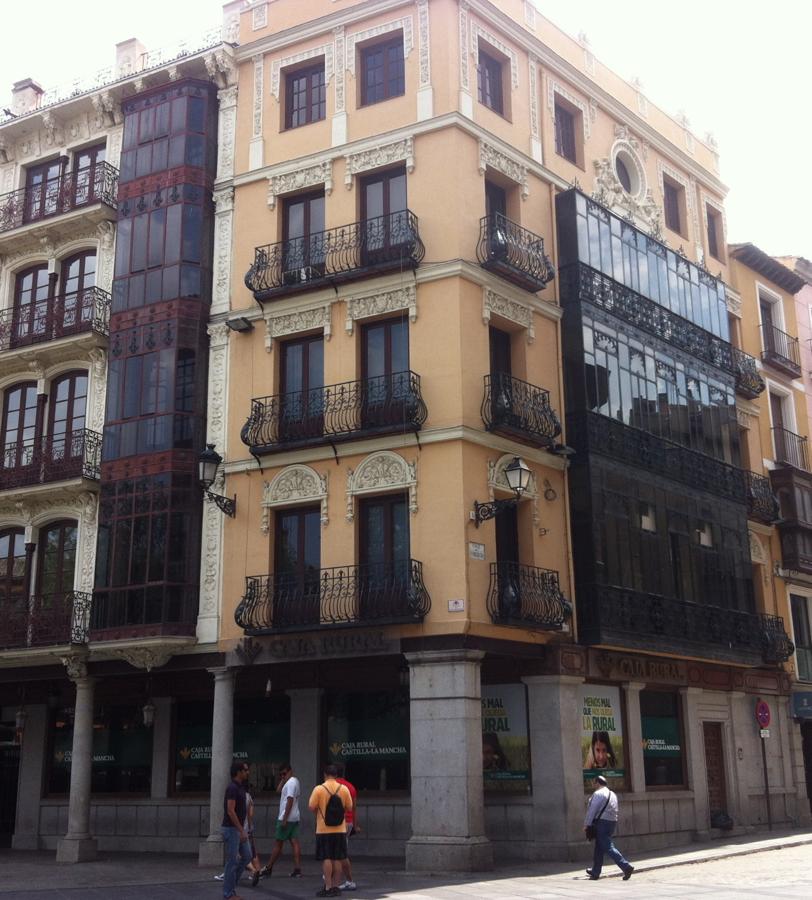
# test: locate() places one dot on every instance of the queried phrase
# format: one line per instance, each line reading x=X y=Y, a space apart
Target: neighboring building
x=106 y=233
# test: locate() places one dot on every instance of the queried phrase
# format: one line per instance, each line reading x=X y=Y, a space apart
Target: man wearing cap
x=601 y=814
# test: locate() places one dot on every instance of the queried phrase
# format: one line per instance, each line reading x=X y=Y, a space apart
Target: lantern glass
x=518 y=474
x=149 y=713
x=207 y=465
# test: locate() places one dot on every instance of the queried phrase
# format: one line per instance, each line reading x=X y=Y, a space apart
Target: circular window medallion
x=628 y=169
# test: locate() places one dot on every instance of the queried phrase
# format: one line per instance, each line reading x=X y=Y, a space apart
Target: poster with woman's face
x=602 y=750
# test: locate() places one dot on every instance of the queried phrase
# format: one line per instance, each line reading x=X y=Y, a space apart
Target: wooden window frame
x=674 y=211
x=568 y=145
x=491 y=81
x=365 y=54
x=315 y=93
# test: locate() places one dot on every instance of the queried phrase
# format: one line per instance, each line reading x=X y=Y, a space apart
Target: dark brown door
x=13 y=588
x=9 y=776
x=87 y=170
x=66 y=426
x=507 y=563
x=715 y=765
x=780 y=438
x=384 y=556
x=386 y=389
x=303 y=234
x=53 y=605
x=301 y=406
x=385 y=221
x=19 y=430
x=76 y=296
x=495 y=199
x=43 y=194
x=31 y=305
x=297 y=561
x=503 y=412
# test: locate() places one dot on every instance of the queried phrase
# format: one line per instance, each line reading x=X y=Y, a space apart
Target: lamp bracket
x=227 y=505
x=484 y=511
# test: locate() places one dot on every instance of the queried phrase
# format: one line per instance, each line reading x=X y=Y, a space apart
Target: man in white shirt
x=287 y=825
x=601 y=814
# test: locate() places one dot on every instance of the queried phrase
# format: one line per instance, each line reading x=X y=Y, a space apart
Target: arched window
x=76 y=296
x=12 y=566
x=67 y=420
x=19 y=425
x=56 y=559
x=30 y=305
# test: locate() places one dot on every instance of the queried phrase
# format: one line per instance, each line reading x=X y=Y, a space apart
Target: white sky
x=736 y=72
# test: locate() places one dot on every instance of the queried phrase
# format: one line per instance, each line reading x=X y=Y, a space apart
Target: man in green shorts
x=287 y=825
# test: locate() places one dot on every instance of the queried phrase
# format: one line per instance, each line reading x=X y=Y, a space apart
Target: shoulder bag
x=590 y=829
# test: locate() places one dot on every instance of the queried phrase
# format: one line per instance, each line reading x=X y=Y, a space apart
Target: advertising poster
x=602 y=749
x=505 y=744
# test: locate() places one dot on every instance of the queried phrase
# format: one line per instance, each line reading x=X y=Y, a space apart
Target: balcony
x=153 y=611
x=635 y=620
x=380 y=405
x=790 y=449
x=343 y=596
x=45 y=620
x=97 y=186
x=359 y=250
x=82 y=312
x=793 y=486
x=580 y=282
x=762 y=504
x=781 y=351
x=51 y=458
x=519 y=410
x=514 y=253
x=526 y=597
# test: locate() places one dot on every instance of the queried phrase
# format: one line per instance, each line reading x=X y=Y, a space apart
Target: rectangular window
x=715 y=235
x=802 y=632
x=661 y=727
x=565 y=140
x=305 y=96
x=489 y=80
x=382 y=71
x=672 y=205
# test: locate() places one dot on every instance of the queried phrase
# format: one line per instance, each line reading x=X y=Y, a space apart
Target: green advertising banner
x=661 y=738
x=128 y=748
x=368 y=739
x=602 y=750
x=505 y=744
x=256 y=742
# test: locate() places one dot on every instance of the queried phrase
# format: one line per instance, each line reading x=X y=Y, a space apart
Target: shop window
x=122 y=751
x=305 y=96
x=382 y=71
x=713 y=219
x=648 y=520
x=661 y=727
x=261 y=737
x=568 y=127
x=674 y=206
x=505 y=741
x=490 y=81
x=802 y=633
x=369 y=735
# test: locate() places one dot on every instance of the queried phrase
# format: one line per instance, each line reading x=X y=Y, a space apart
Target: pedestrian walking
x=599 y=825
x=287 y=825
x=351 y=818
x=248 y=826
x=330 y=801
x=237 y=846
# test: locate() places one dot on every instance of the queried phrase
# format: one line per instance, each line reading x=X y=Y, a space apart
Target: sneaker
x=593 y=877
x=297 y=873
x=255 y=876
x=322 y=892
x=628 y=873
x=219 y=877
x=347 y=886
x=334 y=892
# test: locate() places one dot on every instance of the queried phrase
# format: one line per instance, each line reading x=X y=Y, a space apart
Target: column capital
x=76 y=668
x=434 y=657
x=221 y=673
x=635 y=686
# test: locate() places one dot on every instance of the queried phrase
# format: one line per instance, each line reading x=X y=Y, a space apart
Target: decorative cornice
x=499 y=305
x=294 y=485
x=297 y=321
x=477 y=32
x=375 y=157
x=75 y=665
x=148 y=658
x=297 y=179
x=405 y=24
x=325 y=50
x=501 y=162
x=588 y=108
x=384 y=470
x=381 y=302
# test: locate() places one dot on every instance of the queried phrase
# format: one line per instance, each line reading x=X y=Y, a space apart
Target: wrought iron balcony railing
x=580 y=282
x=52 y=457
x=627 y=618
x=762 y=504
x=44 y=620
x=338 y=254
x=158 y=610
x=379 y=593
x=526 y=596
x=519 y=409
x=790 y=449
x=73 y=190
x=385 y=403
x=780 y=350
x=35 y=323
x=514 y=253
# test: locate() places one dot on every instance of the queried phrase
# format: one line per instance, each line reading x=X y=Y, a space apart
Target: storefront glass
x=505 y=743
x=602 y=746
x=662 y=739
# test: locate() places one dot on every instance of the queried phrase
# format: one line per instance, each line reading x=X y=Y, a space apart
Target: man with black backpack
x=329 y=801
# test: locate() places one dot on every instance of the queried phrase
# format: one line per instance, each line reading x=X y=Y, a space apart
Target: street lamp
x=517 y=475
x=207 y=464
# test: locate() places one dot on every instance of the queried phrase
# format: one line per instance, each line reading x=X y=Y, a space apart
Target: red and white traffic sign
x=763 y=714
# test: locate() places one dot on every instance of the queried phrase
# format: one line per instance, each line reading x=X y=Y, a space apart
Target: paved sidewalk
x=137 y=876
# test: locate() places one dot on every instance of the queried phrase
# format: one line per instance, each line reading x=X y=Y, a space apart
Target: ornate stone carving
x=104 y=106
x=757 y=552
x=501 y=162
x=534 y=97
x=86 y=551
x=497 y=481
x=248 y=650
x=424 y=41
x=218 y=381
x=529 y=14
x=477 y=32
x=688 y=186
x=382 y=155
x=743 y=417
x=512 y=310
x=463 y=35
x=404 y=24
x=259 y=17
x=231 y=29
x=610 y=192
x=325 y=50
x=227 y=99
x=588 y=111
x=106 y=232
x=220 y=68
x=301 y=320
x=383 y=470
x=148 y=658
x=733 y=302
x=378 y=304
x=293 y=485
x=259 y=69
x=223 y=225
x=75 y=665
x=210 y=561
x=284 y=183
x=340 y=67
x=98 y=389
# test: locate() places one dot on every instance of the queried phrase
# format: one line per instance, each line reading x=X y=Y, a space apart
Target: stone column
x=161 y=748
x=29 y=782
x=695 y=749
x=448 y=816
x=633 y=742
x=210 y=852
x=741 y=724
x=559 y=803
x=305 y=756
x=79 y=845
